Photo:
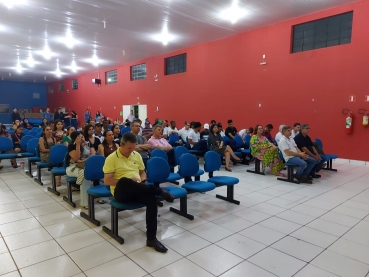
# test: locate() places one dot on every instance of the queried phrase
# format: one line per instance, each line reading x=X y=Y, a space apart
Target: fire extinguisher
x=365 y=117
x=349 y=121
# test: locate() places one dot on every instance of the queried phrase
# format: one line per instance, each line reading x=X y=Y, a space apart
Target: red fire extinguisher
x=349 y=122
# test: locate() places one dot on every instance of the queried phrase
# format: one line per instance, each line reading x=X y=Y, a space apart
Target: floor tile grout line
x=7 y=247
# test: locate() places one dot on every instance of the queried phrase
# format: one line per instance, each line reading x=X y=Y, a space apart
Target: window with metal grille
x=138 y=72
x=111 y=77
x=36 y=95
x=61 y=87
x=74 y=84
x=175 y=64
x=321 y=33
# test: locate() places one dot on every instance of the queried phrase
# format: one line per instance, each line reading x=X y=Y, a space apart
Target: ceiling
x=128 y=33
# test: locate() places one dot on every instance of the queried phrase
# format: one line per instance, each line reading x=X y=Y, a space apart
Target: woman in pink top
x=156 y=142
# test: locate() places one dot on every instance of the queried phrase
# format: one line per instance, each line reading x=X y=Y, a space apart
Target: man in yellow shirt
x=125 y=174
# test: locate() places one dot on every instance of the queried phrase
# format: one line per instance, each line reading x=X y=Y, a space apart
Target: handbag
x=81 y=164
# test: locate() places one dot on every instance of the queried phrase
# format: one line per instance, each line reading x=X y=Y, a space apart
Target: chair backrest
x=35 y=129
x=110 y=126
x=32 y=145
x=94 y=168
x=125 y=130
x=33 y=133
x=319 y=142
x=188 y=165
x=225 y=139
x=212 y=161
x=37 y=151
x=178 y=152
x=157 y=170
x=239 y=141
x=38 y=135
x=281 y=155
x=247 y=140
x=6 y=144
x=24 y=141
x=25 y=131
x=57 y=154
x=173 y=138
x=159 y=153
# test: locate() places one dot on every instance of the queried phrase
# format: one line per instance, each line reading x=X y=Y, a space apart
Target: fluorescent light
x=30 y=60
x=164 y=37
x=46 y=52
x=74 y=66
x=19 y=67
x=68 y=40
x=234 y=13
x=10 y=3
x=57 y=71
x=95 y=60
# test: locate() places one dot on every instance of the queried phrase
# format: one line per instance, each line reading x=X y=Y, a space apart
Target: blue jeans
x=304 y=166
x=319 y=165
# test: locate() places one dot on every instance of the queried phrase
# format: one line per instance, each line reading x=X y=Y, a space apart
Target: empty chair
x=178 y=152
x=30 y=148
x=330 y=157
x=56 y=171
x=161 y=153
x=6 y=144
x=24 y=141
x=212 y=163
x=25 y=131
x=173 y=139
x=125 y=130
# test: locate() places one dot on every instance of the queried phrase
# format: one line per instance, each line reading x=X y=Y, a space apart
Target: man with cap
x=147 y=131
x=98 y=132
x=205 y=133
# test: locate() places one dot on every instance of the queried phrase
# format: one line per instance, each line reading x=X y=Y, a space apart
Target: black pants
x=200 y=145
x=170 y=155
x=128 y=190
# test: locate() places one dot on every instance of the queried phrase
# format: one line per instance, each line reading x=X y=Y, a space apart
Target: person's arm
x=100 y=150
x=230 y=135
x=92 y=151
x=110 y=180
x=145 y=146
x=41 y=143
x=143 y=176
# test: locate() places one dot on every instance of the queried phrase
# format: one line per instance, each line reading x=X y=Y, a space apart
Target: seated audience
x=16 y=124
x=220 y=129
x=157 y=142
x=93 y=123
x=125 y=174
x=267 y=133
x=292 y=154
x=147 y=131
x=117 y=121
x=279 y=135
x=88 y=134
x=16 y=137
x=296 y=130
x=43 y=123
x=67 y=139
x=205 y=133
x=305 y=144
x=26 y=124
x=165 y=129
x=105 y=125
x=216 y=144
x=142 y=146
x=59 y=132
x=212 y=122
x=183 y=133
x=98 y=132
x=108 y=145
x=116 y=133
x=78 y=152
x=262 y=149
x=52 y=124
x=194 y=138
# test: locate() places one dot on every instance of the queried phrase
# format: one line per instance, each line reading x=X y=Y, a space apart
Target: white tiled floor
x=279 y=229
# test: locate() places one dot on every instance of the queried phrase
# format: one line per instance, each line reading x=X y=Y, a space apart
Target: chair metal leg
x=38 y=179
x=257 y=168
x=197 y=178
x=68 y=198
x=29 y=172
x=91 y=211
x=53 y=186
x=230 y=196
x=113 y=232
x=329 y=166
x=289 y=176
x=183 y=209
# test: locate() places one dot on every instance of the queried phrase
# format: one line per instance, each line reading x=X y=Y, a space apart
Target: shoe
x=1 y=167
x=14 y=165
x=158 y=246
x=310 y=178
x=167 y=196
x=314 y=175
x=100 y=201
x=304 y=180
x=227 y=169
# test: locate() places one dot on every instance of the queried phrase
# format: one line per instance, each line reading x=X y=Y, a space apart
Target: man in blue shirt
x=47 y=115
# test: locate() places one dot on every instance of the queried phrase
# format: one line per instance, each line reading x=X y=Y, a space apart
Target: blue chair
x=33 y=133
x=173 y=177
x=57 y=154
x=290 y=168
x=239 y=142
x=178 y=152
x=31 y=147
x=212 y=163
x=125 y=130
x=35 y=129
x=94 y=173
x=24 y=141
x=189 y=166
x=71 y=181
x=57 y=171
x=158 y=172
x=34 y=159
x=196 y=152
x=25 y=131
x=330 y=157
x=38 y=135
x=173 y=138
x=6 y=144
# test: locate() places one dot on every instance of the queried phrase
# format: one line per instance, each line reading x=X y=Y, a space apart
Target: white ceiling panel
x=130 y=26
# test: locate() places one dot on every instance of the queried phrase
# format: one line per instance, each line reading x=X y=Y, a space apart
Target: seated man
x=194 y=138
x=305 y=144
x=292 y=154
x=267 y=133
x=279 y=135
x=147 y=131
x=105 y=125
x=142 y=146
x=98 y=132
x=172 y=128
x=230 y=132
x=165 y=129
x=183 y=133
x=205 y=133
x=125 y=174
x=296 y=130
x=157 y=142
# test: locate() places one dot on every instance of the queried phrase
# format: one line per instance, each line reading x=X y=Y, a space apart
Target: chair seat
x=126 y=205
x=34 y=159
x=99 y=191
x=58 y=171
x=246 y=151
x=331 y=156
x=176 y=191
x=27 y=154
x=200 y=172
x=238 y=153
x=8 y=156
x=290 y=164
x=224 y=180
x=42 y=164
x=71 y=179
x=199 y=186
x=174 y=177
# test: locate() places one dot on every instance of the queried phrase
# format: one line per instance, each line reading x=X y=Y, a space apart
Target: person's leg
x=227 y=158
x=83 y=192
x=301 y=166
x=151 y=214
x=170 y=155
x=229 y=149
x=14 y=161
x=58 y=181
x=311 y=163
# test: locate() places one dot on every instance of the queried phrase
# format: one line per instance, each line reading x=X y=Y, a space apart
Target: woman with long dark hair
x=116 y=133
x=108 y=146
x=67 y=139
x=26 y=124
x=59 y=132
x=88 y=133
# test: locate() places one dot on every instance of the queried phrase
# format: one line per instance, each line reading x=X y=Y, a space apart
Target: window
x=36 y=95
x=176 y=64
x=74 y=84
x=61 y=87
x=51 y=90
x=111 y=77
x=138 y=72
x=326 y=32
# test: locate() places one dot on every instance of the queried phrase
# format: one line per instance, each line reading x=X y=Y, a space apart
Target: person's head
x=280 y=127
x=74 y=135
x=250 y=131
x=88 y=131
x=47 y=131
x=214 y=129
x=286 y=131
x=108 y=137
x=269 y=128
x=47 y=110
x=19 y=129
x=191 y=124
x=92 y=122
x=220 y=127
x=206 y=126
x=15 y=110
x=296 y=127
x=131 y=112
x=83 y=126
x=172 y=124
x=44 y=120
x=128 y=143
x=87 y=111
x=305 y=129
x=213 y=122
x=70 y=130
x=52 y=124
x=106 y=124
x=97 y=113
x=58 y=125
x=157 y=131
x=136 y=127
x=187 y=125
x=196 y=126
x=100 y=120
x=98 y=128
x=73 y=112
x=59 y=110
x=116 y=130
x=16 y=122
x=258 y=130
x=147 y=124
x=165 y=123
x=25 y=120
x=230 y=123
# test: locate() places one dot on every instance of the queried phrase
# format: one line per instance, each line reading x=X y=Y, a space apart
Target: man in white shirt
x=296 y=130
x=98 y=132
x=194 y=138
x=279 y=135
x=131 y=117
x=292 y=154
x=183 y=133
x=165 y=129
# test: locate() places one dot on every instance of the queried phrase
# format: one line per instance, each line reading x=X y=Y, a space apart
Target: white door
x=126 y=111
x=142 y=113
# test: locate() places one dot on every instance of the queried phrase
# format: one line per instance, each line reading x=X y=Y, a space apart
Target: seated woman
x=16 y=137
x=26 y=124
x=78 y=152
x=88 y=133
x=16 y=124
x=116 y=133
x=59 y=132
x=216 y=144
x=67 y=139
x=262 y=149
x=108 y=145
x=44 y=123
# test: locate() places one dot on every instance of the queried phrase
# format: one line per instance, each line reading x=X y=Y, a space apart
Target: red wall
x=224 y=80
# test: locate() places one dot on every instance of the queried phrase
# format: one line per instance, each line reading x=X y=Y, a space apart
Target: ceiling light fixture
x=164 y=37
x=30 y=60
x=234 y=13
x=57 y=71
x=10 y=3
x=47 y=52
x=68 y=40
x=19 y=67
x=95 y=60
x=74 y=66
